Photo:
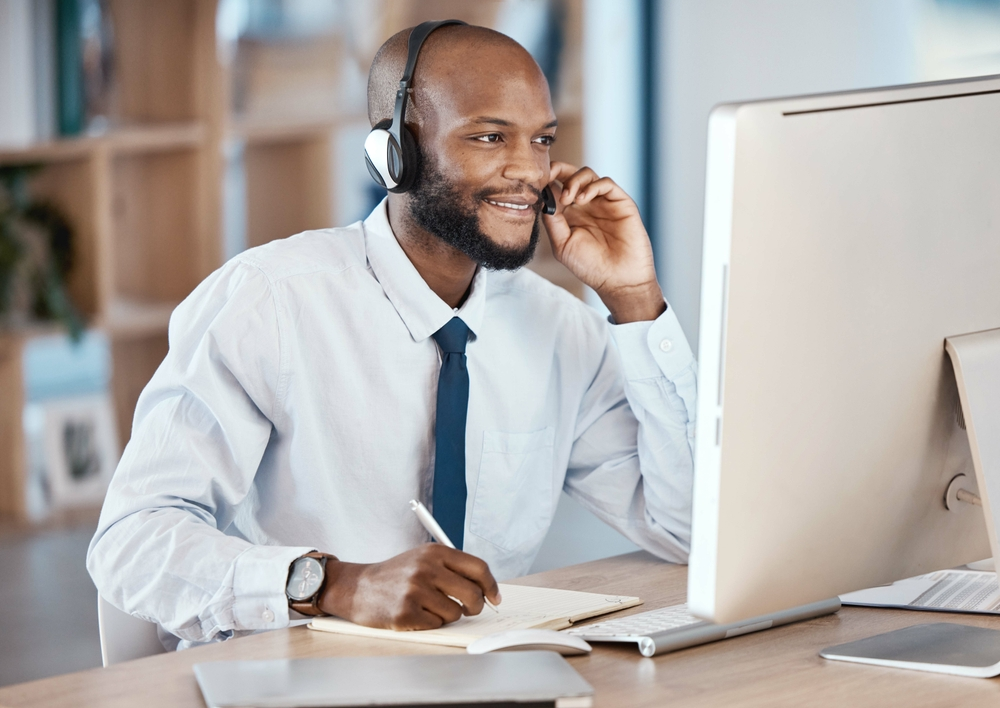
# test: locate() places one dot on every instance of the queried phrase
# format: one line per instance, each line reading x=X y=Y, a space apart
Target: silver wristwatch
x=306 y=579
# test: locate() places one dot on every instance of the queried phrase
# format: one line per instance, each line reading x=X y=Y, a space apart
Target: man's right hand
x=411 y=590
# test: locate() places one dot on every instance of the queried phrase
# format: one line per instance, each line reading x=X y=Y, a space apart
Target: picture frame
x=73 y=449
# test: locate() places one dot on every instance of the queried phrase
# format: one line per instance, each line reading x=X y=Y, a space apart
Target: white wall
x=713 y=51
x=612 y=85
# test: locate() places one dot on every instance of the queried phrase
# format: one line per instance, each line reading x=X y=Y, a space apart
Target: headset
x=391 y=154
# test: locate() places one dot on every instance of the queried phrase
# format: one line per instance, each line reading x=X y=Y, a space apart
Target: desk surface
x=775 y=667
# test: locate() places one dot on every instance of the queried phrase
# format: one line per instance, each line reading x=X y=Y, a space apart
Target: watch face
x=305 y=579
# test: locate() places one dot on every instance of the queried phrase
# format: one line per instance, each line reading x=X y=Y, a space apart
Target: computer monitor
x=846 y=237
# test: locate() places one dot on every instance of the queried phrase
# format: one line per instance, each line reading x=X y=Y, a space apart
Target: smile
x=508 y=205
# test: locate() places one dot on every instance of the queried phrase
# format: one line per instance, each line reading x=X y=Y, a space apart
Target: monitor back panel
x=845 y=237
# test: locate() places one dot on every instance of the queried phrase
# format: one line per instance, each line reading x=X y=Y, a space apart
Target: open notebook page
x=523 y=607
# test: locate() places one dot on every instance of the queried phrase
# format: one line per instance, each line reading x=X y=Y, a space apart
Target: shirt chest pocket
x=515 y=495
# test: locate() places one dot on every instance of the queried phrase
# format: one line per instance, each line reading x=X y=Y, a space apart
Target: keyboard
x=631 y=628
x=672 y=628
x=639 y=628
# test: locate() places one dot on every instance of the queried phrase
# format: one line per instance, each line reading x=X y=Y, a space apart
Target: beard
x=438 y=207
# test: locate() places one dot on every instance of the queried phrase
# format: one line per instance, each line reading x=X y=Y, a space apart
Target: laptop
x=534 y=678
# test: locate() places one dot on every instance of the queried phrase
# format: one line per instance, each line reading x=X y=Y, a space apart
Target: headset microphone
x=548 y=201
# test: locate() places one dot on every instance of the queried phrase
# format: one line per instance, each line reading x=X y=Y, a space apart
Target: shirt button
x=666 y=345
x=268 y=616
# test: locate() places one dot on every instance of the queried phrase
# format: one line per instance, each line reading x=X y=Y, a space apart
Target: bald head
x=452 y=58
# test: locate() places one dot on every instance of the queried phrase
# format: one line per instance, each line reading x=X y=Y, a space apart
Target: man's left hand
x=598 y=234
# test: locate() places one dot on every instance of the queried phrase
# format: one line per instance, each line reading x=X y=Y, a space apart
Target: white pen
x=435 y=530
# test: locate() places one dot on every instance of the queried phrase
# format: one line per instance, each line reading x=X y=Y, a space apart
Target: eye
x=489 y=138
x=545 y=140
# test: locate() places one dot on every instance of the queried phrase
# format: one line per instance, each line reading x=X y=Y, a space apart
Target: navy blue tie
x=449 y=431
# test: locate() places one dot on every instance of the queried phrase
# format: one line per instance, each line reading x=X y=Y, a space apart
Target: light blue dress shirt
x=295 y=411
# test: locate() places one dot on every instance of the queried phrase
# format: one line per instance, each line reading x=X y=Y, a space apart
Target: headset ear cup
x=378 y=147
x=410 y=158
x=373 y=171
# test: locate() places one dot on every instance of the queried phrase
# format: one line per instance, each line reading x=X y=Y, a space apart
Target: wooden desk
x=776 y=667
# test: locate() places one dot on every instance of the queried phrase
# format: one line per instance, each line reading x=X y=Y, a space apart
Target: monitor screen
x=846 y=237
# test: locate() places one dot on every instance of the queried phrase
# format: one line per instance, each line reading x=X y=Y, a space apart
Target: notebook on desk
x=523 y=607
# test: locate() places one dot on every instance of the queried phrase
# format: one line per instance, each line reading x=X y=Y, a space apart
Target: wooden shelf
x=14 y=336
x=53 y=151
x=134 y=359
x=129 y=318
x=11 y=526
x=123 y=318
x=254 y=130
x=156 y=138
x=128 y=140
x=149 y=198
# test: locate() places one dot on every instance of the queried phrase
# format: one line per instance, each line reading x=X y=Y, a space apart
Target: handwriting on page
x=526 y=607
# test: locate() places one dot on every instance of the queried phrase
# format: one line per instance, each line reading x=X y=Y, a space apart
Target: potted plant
x=36 y=256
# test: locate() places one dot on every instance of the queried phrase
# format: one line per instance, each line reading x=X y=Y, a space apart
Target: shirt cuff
x=259 y=586
x=653 y=349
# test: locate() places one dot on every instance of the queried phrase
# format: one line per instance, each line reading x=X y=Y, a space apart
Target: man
x=310 y=388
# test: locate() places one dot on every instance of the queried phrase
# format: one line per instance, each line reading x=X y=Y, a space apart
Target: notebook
x=535 y=678
x=523 y=607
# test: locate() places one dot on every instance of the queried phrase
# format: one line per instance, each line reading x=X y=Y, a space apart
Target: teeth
x=508 y=205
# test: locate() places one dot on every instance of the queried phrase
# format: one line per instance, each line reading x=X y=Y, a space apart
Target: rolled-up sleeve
x=632 y=461
x=163 y=549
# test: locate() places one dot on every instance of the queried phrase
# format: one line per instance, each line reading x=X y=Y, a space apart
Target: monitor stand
x=942 y=646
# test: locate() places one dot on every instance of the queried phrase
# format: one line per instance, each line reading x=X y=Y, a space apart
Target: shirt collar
x=420 y=308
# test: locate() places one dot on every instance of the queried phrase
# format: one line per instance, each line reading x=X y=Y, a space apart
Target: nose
x=526 y=164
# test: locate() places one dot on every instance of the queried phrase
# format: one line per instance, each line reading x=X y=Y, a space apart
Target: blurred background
x=144 y=142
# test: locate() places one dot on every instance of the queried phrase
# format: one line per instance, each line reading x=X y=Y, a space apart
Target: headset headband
x=417 y=37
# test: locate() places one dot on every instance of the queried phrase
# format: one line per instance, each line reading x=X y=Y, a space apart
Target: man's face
x=443 y=209
x=484 y=138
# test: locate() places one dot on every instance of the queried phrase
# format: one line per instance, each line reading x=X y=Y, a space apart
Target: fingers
x=459 y=577
x=415 y=620
x=560 y=171
x=439 y=604
x=575 y=182
x=476 y=570
x=423 y=588
x=444 y=585
x=603 y=187
x=581 y=186
x=464 y=590
x=424 y=603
